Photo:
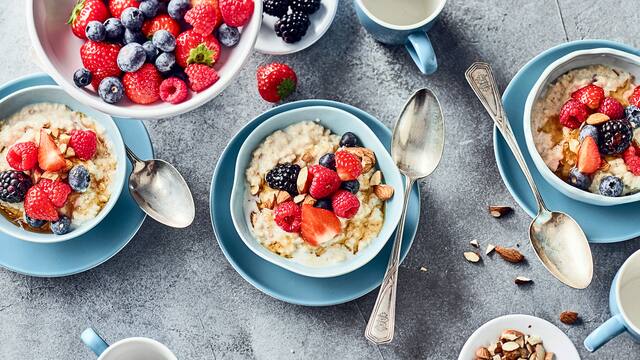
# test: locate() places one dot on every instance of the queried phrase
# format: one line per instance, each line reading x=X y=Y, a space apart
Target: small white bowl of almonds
x=516 y=336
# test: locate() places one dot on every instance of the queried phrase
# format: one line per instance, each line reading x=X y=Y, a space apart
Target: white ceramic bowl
x=54 y=94
x=577 y=59
x=339 y=122
x=553 y=339
x=59 y=52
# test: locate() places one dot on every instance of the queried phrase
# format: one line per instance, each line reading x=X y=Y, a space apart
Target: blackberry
x=615 y=136
x=277 y=8
x=14 y=186
x=284 y=177
x=292 y=27
x=305 y=6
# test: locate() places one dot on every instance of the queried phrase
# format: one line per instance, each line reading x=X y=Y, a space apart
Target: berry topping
x=348 y=166
x=165 y=62
x=38 y=206
x=573 y=114
x=95 y=31
x=177 y=8
x=143 y=86
x=328 y=161
x=345 y=204
x=164 y=40
x=131 y=57
x=632 y=113
x=111 y=90
x=588 y=156
x=173 y=90
x=276 y=81
x=201 y=76
x=101 y=59
x=79 y=178
x=34 y=223
x=49 y=156
x=288 y=216
x=203 y=18
x=236 y=13
x=82 y=77
x=589 y=130
x=349 y=139
x=149 y=8
x=590 y=95
x=578 y=179
x=324 y=182
x=56 y=191
x=228 y=36
x=132 y=18
x=352 y=186
x=23 y=156
x=611 y=186
x=284 y=177
x=631 y=158
x=305 y=6
x=324 y=204
x=612 y=108
x=615 y=136
x=318 y=225
x=634 y=99
x=276 y=8
x=14 y=186
x=84 y=12
x=114 y=30
x=193 y=48
x=61 y=226
x=150 y=50
x=84 y=143
x=118 y=6
x=292 y=27
x=160 y=22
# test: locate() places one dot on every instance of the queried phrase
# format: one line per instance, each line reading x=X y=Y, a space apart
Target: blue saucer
x=278 y=282
x=619 y=221
x=99 y=244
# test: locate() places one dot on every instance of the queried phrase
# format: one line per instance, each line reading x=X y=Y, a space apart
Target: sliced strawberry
x=588 y=156
x=318 y=225
x=49 y=156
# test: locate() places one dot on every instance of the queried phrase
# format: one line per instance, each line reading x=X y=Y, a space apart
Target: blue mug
x=624 y=302
x=414 y=37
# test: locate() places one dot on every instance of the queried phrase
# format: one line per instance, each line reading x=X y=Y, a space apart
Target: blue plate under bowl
x=618 y=219
x=97 y=245
x=274 y=280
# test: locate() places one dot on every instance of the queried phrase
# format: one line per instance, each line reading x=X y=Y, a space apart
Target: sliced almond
x=299 y=198
x=483 y=353
x=540 y=352
x=307 y=158
x=309 y=200
x=510 y=334
x=510 y=346
x=471 y=256
x=55 y=132
x=423 y=269
x=267 y=199
x=376 y=178
x=304 y=180
x=383 y=191
x=63 y=148
x=520 y=341
x=64 y=139
x=574 y=144
x=490 y=249
x=597 y=119
x=254 y=189
x=496 y=357
x=534 y=340
x=70 y=152
x=282 y=197
x=510 y=254
x=522 y=280
x=474 y=243
x=498 y=211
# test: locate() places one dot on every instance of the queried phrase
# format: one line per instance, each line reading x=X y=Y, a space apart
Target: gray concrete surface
x=176 y=286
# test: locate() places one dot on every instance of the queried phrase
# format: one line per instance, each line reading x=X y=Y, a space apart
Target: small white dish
x=553 y=339
x=577 y=59
x=269 y=43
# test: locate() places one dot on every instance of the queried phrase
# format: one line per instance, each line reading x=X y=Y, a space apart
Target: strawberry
x=100 y=58
x=276 y=81
x=38 y=206
x=118 y=6
x=348 y=166
x=160 y=22
x=612 y=108
x=324 y=181
x=631 y=158
x=573 y=113
x=201 y=76
x=588 y=156
x=193 y=48
x=236 y=13
x=634 y=99
x=345 y=204
x=590 y=95
x=84 y=143
x=23 y=156
x=288 y=216
x=143 y=86
x=56 y=191
x=84 y=12
x=203 y=18
x=49 y=156
x=318 y=225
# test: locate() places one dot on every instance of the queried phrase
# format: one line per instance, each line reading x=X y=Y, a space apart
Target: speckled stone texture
x=177 y=287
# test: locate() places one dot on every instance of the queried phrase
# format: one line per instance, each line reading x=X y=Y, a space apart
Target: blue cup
x=134 y=348
x=624 y=302
x=414 y=37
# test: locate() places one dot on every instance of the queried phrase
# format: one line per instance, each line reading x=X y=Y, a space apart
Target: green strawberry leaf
x=286 y=87
x=201 y=55
x=76 y=11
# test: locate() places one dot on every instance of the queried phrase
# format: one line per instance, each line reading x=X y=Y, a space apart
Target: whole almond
x=499 y=210
x=510 y=254
x=597 y=119
x=472 y=256
x=304 y=180
x=483 y=353
x=569 y=317
x=383 y=191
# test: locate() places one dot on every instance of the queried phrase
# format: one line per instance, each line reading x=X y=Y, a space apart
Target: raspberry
x=345 y=204
x=201 y=76
x=56 y=191
x=348 y=166
x=173 y=90
x=634 y=99
x=84 y=143
x=38 y=206
x=590 y=95
x=573 y=114
x=23 y=156
x=631 y=158
x=236 y=12
x=324 y=182
x=612 y=108
x=203 y=18
x=288 y=216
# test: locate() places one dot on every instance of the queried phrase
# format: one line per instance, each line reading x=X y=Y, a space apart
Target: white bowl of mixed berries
x=143 y=59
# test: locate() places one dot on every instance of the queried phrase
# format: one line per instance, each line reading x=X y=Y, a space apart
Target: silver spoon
x=557 y=239
x=160 y=191
x=416 y=148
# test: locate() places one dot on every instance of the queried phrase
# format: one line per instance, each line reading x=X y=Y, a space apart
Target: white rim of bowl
x=403 y=27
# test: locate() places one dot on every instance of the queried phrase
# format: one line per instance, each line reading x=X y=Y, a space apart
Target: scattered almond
x=423 y=269
x=521 y=280
x=512 y=345
x=569 y=317
x=64 y=139
x=483 y=353
x=307 y=158
x=474 y=243
x=267 y=199
x=299 y=198
x=471 y=256
x=376 y=178
x=510 y=254
x=70 y=152
x=383 y=191
x=254 y=189
x=309 y=200
x=304 y=180
x=597 y=119
x=282 y=197
x=499 y=210
x=490 y=249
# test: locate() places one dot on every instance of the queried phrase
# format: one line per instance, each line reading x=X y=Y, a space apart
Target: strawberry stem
x=286 y=87
x=201 y=55
x=76 y=11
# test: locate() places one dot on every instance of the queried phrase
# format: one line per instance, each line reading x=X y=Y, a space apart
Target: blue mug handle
x=605 y=332
x=94 y=341
x=419 y=47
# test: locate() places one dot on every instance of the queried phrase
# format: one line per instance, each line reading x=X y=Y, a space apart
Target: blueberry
x=34 y=223
x=632 y=113
x=323 y=204
x=229 y=36
x=131 y=57
x=82 y=77
x=351 y=186
x=178 y=72
x=150 y=50
x=177 y=8
x=95 y=31
x=164 y=40
x=79 y=178
x=579 y=180
x=589 y=130
x=328 y=160
x=133 y=37
x=132 y=18
x=165 y=61
x=114 y=30
x=149 y=8
x=349 y=139
x=111 y=89
x=611 y=186
x=62 y=226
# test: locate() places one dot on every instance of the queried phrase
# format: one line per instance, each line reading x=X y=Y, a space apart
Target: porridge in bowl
x=314 y=197
x=585 y=127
